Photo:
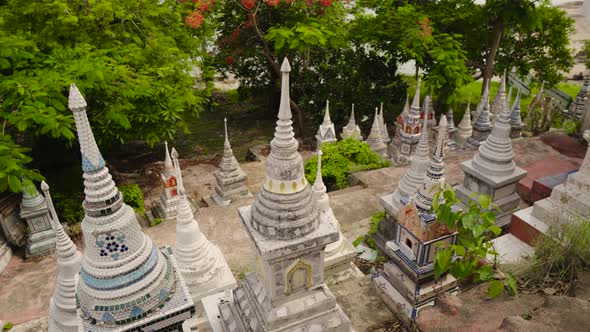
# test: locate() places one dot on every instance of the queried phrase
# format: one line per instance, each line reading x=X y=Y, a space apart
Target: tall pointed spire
x=285 y=182
x=515 y=117
x=352 y=130
x=483 y=116
x=327 y=120
x=117 y=254
x=62 y=305
x=374 y=140
x=326 y=131
x=435 y=173
x=318 y=187
x=483 y=100
x=450 y=120
x=384 y=131
x=168 y=168
x=416 y=101
x=414 y=177
x=200 y=262
x=499 y=102
x=465 y=130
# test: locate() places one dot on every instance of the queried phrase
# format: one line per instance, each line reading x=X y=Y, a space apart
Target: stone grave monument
x=374 y=140
x=286 y=292
x=33 y=209
x=464 y=130
x=407 y=281
x=126 y=282
x=165 y=208
x=492 y=170
x=62 y=305
x=384 y=131
x=230 y=180
x=326 y=132
x=516 y=124
x=482 y=125
x=352 y=130
x=403 y=146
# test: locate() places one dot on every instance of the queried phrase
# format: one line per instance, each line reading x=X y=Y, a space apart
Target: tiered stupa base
x=40 y=244
x=228 y=190
x=502 y=190
x=477 y=138
x=338 y=261
x=166 y=209
x=168 y=317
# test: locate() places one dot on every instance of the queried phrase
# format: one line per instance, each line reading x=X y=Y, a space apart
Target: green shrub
x=368 y=238
x=155 y=222
x=69 y=208
x=8 y=326
x=571 y=126
x=341 y=158
x=233 y=96
x=133 y=196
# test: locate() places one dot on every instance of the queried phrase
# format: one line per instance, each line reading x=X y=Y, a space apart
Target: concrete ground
x=25 y=287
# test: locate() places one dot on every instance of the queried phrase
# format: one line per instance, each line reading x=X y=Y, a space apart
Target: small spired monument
x=492 y=170
x=407 y=280
x=433 y=131
x=34 y=210
x=403 y=146
x=201 y=263
x=578 y=106
x=326 y=132
x=352 y=130
x=374 y=140
x=338 y=256
x=165 y=209
x=408 y=185
x=126 y=282
x=482 y=126
x=62 y=305
x=230 y=179
x=286 y=292
x=516 y=123
x=464 y=130
x=384 y=131
x=451 y=130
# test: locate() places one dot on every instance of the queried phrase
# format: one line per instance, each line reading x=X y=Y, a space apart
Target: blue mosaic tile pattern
x=111 y=245
x=88 y=166
x=124 y=280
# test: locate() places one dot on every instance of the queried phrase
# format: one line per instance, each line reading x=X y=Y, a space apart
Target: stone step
x=511 y=249
x=526 y=227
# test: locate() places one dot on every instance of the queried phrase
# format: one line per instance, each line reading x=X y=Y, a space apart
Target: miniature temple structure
x=62 y=305
x=352 y=130
x=405 y=141
x=406 y=187
x=482 y=126
x=374 y=140
x=492 y=170
x=464 y=129
x=384 y=131
x=516 y=123
x=230 y=180
x=34 y=209
x=286 y=292
x=326 y=132
x=339 y=255
x=201 y=263
x=126 y=282
x=165 y=208
x=407 y=281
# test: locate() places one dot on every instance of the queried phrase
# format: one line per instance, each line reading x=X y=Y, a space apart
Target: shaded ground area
x=25 y=287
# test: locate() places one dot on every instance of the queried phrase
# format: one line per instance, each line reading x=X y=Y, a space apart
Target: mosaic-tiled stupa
x=407 y=135
x=62 y=305
x=326 y=131
x=286 y=292
x=408 y=279
x=165 y=208
x=407 y=186
x=231 y=182
x=492 y=170
x=34 y=209
x=126 y=282
x=352 y=130
x=339 y=255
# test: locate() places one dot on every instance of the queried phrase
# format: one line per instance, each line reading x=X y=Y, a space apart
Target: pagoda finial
x=226 y=142
x=92 y=160
x=180 y=184
x=76 y=101
x=352 y=121
x=440 y=140
x=285 y=106
x=327 y=119
x=318 y=185
x=416 y=102
x=406 y=105
x=168 y=167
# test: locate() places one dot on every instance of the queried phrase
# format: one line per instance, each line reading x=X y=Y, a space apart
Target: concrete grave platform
x=542 y=187
x=544 y=167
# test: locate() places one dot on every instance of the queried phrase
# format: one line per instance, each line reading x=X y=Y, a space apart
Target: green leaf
x=14 y=183
x=496 y=230
x=459 y=250
x=484 y=201
x=442 y=262
x=511 y=285
x=495 y=289
x=485 y=273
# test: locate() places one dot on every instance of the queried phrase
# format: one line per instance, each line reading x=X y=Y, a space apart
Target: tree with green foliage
x=328 y=58
x=131 y=59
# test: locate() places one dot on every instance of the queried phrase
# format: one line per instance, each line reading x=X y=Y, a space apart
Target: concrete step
x=526 y=227
x=511 y=249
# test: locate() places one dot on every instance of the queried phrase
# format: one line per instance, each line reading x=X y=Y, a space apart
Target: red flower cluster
x=250 y=4
x=194 y=19
x=203 y=5
x=272 y=3
x=325 y=3
x=425 y=28
x=230 y=60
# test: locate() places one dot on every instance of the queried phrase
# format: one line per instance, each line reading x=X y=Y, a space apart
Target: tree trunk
x=493 y=46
